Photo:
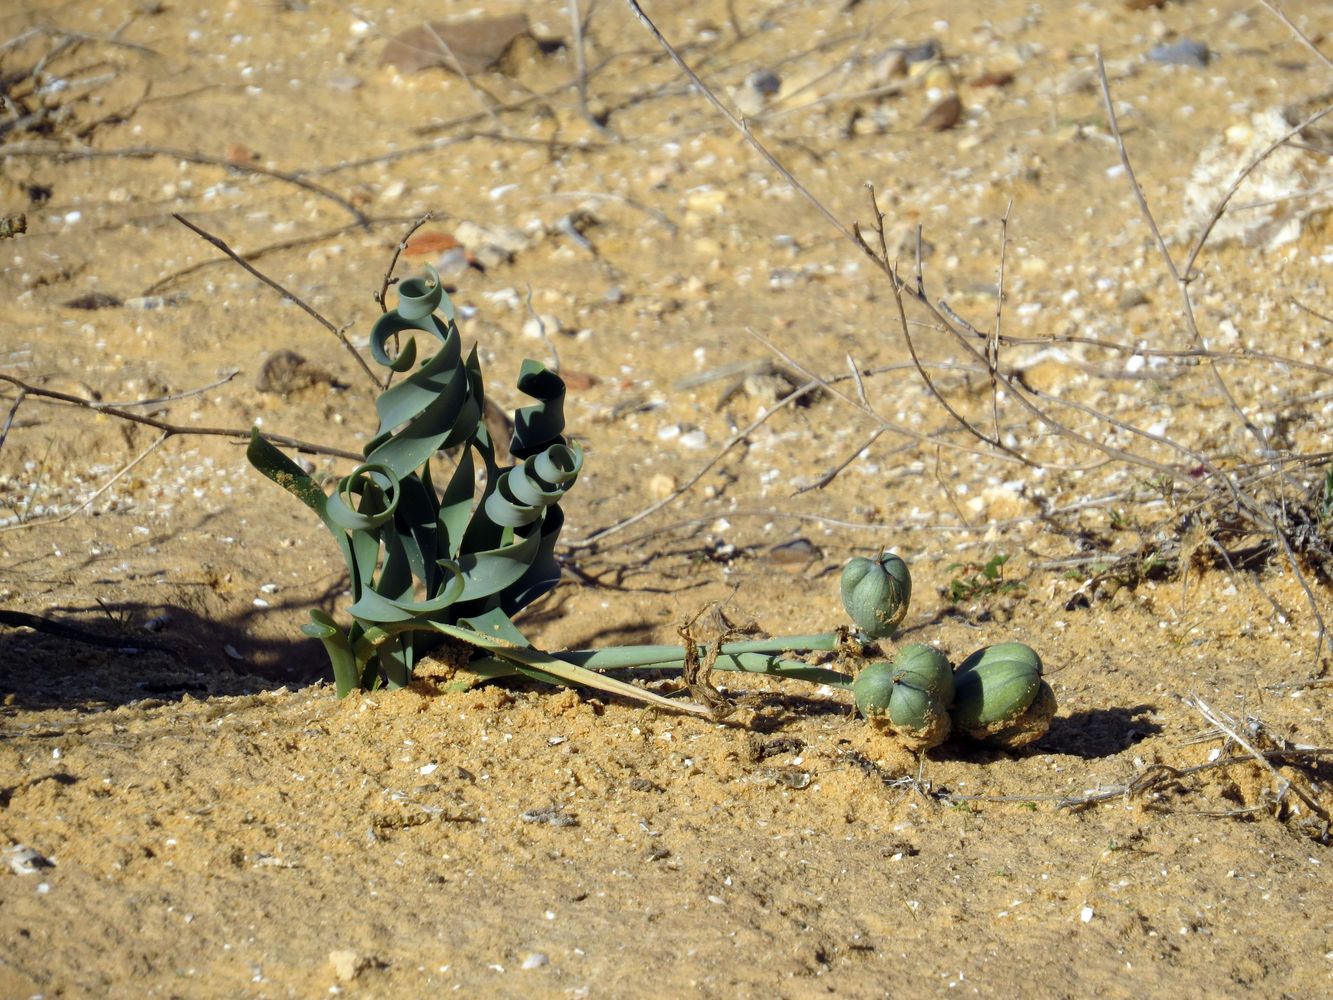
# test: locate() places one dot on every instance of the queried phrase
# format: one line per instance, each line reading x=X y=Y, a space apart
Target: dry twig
x=310 y=310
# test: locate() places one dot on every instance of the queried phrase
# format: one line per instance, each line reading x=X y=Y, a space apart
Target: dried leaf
x=429 y=244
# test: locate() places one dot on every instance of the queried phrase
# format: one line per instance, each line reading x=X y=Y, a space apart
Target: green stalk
x=649 y=658
x=623 y=657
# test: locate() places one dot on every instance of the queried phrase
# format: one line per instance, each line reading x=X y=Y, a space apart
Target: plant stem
x=620 y=657
x=746 y=660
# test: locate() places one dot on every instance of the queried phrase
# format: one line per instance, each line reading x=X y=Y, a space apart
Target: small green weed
x=976 y=580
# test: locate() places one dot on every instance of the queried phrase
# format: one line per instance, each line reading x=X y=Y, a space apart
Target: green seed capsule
x=925 y=667
x=873 y=690
x=876 y=593
x=909 y=697
x=995 y=689
x=1029 y=727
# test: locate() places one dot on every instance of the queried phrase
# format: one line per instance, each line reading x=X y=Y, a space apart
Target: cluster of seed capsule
x=996 y=696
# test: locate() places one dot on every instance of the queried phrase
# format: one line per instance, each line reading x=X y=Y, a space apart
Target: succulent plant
x=910 y=696
x=1000 y=697
x=876 y=593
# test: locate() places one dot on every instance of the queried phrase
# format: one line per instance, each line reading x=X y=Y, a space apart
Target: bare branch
x=221 y=245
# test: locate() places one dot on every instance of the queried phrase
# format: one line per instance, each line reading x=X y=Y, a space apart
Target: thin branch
x=172 y=429
x=1129 y=169
x=100 y=490
x=20 y=619
x=150 y=152
x=221 y=245
x=1284 y=783
x=1305 y=39
x=920 y=436
x=727 y=113
x=9 y=419
x=581 y=67
x=383 y=294
x=177 y=397
x=993 y=346
x=267 y=249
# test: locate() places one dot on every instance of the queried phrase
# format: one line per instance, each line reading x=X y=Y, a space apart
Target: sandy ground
x=215 y=822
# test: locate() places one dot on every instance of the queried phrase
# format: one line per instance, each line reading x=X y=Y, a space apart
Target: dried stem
x=169 y=428
x=221 y=245
x=150 y=152
x=1281 y=15
x=100 y=490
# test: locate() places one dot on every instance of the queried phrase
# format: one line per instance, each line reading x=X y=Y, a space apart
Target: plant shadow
x=1090 y=735
x=1099 y=732
x=100 y=657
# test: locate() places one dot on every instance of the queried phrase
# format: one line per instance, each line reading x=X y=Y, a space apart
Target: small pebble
x=535 y=960
x=23 y=860
x=944 y=115
x=347 y=964
x=694 y=439
x=1185 y=52
x=765 y=81
x=535 y=327
x=661 y=486
x=1130 y=298
x=919 y=52
x=550 y=816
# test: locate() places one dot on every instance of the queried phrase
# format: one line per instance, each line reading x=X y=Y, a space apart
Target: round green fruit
x=925 y=668
x=1000 y=697
x=876 y=593
x=1027 y=728
x=909 y=697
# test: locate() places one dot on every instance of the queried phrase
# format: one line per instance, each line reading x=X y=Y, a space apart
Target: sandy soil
x=215 y=822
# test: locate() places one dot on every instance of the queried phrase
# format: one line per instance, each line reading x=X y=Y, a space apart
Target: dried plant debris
x=13 y=225
x=285 y=372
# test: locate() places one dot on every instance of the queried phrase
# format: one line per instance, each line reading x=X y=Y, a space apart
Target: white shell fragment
x=23 y=860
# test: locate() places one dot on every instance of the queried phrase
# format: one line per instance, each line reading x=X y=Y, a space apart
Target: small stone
x=892 y=65
x=1131 y=298
x=939 y=77
x=535 y=960
x=535 y=327
x=148 y=302
x=753 y=95
x=794 y=556
x=992 y=78
x=344 y=82
x=92 y=300
x=694 y=439
x=347 y=964
x=920 y=52
x=509 y=239
x=23 y=860
x=944 y=115
x=706 y=201
x=661 y=486
x=453 y=263
x=765 y=81
x=1185 y=52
